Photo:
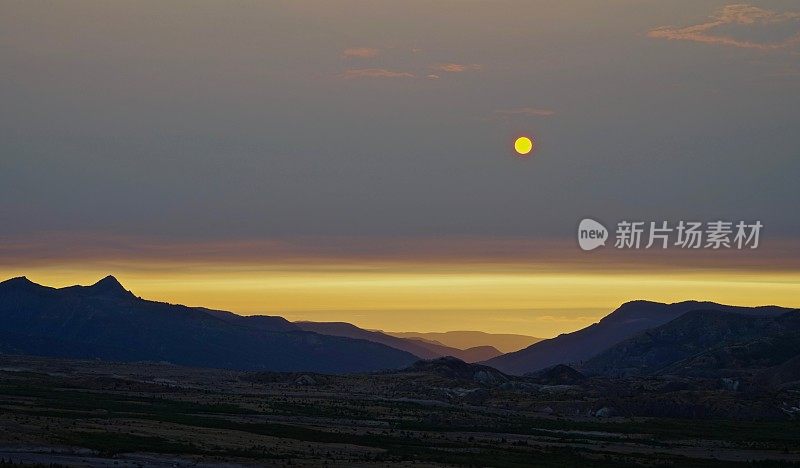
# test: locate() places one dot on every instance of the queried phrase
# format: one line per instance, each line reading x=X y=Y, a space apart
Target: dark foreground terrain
x=436 y=413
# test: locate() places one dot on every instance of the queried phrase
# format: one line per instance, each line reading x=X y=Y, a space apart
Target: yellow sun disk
x=523 y=145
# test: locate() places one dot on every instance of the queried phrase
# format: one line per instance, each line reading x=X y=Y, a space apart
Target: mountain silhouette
x=478 y=353
x=109 y=286
x=704 y=343
x=262 y=322
x=627 y=321
x=559 y=374
x=465 y=339
x=105 y=321
x=420 y=348
x=453 y=368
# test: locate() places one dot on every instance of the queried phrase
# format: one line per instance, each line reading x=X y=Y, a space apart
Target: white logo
x=662 y=235
x=591 y=234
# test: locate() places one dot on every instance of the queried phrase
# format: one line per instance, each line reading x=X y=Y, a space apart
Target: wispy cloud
x=409 y=70
x=554 y=255
x=739 y=17
x=355 y=73
x=360 y=52
x=455 y=67
x=524 y=112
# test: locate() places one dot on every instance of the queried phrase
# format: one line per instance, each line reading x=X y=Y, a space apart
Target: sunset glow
x=381 y=163
x=535 y=288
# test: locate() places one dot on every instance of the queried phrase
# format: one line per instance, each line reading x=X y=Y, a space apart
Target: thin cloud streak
x=525 y=112
x=356 y=73
x=519 y=254
x=741 y=15
x=456 y=67
x=360 y=52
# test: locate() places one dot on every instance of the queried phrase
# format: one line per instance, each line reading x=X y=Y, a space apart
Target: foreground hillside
x=705 y=343
x=105 y=321
x=627 y=321
x=434 y=413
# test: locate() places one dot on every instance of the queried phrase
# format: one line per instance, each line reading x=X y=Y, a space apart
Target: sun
x=523 y=145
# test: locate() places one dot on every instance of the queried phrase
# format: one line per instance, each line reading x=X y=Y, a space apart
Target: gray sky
x=252 y=119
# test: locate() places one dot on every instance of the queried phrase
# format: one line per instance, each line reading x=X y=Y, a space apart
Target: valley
x=435 y=413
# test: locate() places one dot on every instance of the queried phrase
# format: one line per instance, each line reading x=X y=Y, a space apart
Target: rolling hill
x=503 y=342
x=627 y=321
x=420 y=348
x=704 y=343
x=105 y=321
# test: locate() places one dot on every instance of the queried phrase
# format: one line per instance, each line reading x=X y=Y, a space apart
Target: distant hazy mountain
x=504 y=342
x=704 y=343
x=475 y=354
x=422 y=349
x=104 y=321
x=625 y=322
x=478 y=353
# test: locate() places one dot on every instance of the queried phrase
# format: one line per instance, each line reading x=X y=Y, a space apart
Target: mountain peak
x=22 y=285
x=110 y=286
x=109 y=280
x=19 y=282
x=645 y=310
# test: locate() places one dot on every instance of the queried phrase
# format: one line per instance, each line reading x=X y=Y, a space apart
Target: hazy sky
x=165 y=123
